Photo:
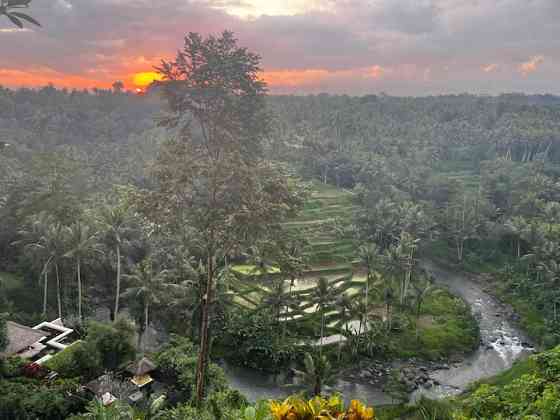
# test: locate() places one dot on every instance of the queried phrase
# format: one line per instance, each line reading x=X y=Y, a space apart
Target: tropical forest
x=205 y=247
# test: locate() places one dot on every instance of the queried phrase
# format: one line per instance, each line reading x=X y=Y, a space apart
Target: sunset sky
x=401 y=47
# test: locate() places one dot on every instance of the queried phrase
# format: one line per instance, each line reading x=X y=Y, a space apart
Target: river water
x=501 y=344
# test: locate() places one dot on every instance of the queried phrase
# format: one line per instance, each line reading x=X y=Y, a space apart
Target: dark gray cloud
x=418 y=46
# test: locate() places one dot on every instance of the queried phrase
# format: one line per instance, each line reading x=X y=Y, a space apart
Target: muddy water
x=501 y=344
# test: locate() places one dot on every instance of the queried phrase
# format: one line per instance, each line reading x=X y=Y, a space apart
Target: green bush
x=254 y=339
x=78 y=360
x=25 y=399
x=11 y=367
x=532 y=395
x=177 y=363
x=113 y=342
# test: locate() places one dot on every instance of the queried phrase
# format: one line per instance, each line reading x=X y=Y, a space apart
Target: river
x=501 y=344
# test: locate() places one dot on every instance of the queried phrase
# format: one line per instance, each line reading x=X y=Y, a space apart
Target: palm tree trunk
x=118 y=294
x=45 y=292
x=318 y=386
x=146 y=319
x=146 y=323
x=205 y=324
x=79 y=290
x=322 y=327
x=58 y=300
x=366 y=301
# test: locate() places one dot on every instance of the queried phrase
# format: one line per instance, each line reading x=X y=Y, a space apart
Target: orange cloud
x=531 y=66
x=291 y=78
x=42 y=76
x=490 y=68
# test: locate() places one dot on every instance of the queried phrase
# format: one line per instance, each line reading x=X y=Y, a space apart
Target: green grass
x=253 y=270
x=453 y=331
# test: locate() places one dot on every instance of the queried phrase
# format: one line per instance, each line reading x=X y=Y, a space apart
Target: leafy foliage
x=24 y=398
x=531 y=395
x=9 y=9
x=177 y=363
x=113 y=342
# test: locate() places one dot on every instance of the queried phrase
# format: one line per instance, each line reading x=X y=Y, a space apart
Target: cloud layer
x=404 y=47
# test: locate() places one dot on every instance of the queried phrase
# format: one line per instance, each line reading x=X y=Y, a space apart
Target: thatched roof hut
x=141 y=367
x=20 y=338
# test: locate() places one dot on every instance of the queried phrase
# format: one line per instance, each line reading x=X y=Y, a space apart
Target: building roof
x=101 y=385
x=20 y=338
x=141 y=367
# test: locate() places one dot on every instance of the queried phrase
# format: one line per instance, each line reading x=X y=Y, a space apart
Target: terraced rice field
x=328 y=255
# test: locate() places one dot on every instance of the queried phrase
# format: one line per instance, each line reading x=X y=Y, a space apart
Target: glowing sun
x=146 y=78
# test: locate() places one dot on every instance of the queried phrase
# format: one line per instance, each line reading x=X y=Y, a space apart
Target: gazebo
x=140 y=371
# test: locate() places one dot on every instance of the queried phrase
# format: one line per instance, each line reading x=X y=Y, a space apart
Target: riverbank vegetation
x=281 y=233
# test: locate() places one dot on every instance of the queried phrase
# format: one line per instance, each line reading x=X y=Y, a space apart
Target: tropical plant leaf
x=25 y=17
x=18 y=3
x=15 y=20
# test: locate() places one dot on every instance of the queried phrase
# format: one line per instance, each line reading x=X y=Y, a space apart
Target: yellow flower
x=359 y=411
x=281 y=411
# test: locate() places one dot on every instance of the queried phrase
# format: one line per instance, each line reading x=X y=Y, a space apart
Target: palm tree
x=345 y=313
x=45 y=239
x=552 y=274
x=148 y=285
x=115 y=222
x=405 y=252
x=421 y=292
x=517 y=226
x=9 y=8
x=82 y=242
x=318 y=372
x=323 y=298
x=369 y=254
x=277 y=299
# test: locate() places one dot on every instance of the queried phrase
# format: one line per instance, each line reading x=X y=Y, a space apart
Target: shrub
x=12 y=367
x=113 y=342
x=29 y=399
x=254 y=339
x=79 y=359
x=295 y=408
x=177 y=366
x=535 y=394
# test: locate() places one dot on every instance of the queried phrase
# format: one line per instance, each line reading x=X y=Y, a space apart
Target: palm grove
x=101 y=207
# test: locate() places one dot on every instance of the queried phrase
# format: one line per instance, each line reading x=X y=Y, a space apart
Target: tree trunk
x=322 y=328
x=366 y=302
x=79 y=290
x=118 y=293
x=318 y=386
x=389 y=315
x=205 y=324
x=45 y=292
x=58 y=300
x=146 y=323
x=459 y=243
